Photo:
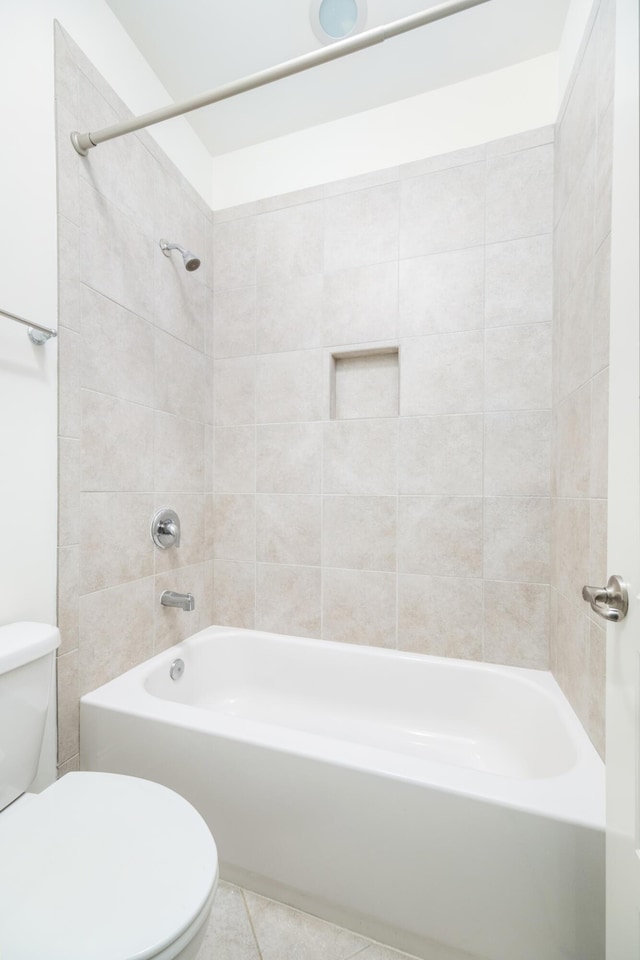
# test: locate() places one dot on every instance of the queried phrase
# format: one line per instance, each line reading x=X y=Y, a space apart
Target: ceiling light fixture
x=337 y=19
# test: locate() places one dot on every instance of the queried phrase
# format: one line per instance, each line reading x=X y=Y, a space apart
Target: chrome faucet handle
x=165 y=528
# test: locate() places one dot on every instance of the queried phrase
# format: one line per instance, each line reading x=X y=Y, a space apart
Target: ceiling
x=198 y=46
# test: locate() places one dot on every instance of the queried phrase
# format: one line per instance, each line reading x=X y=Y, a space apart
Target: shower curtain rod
x=83 y=142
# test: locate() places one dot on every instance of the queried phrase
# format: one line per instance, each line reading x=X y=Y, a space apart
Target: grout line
x=250 y=919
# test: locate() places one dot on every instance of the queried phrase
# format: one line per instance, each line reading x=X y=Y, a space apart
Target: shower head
x=191 y=262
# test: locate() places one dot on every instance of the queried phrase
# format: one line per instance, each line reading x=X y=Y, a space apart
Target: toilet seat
x=103 y=867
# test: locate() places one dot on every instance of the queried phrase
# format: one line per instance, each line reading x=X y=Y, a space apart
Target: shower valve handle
x=165 y=529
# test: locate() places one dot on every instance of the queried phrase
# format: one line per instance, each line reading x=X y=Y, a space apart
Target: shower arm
x=83 y=142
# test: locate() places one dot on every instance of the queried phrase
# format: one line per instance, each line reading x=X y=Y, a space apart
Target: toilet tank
x=26 y=687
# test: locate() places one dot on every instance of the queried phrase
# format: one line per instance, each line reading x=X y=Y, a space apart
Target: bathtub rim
x=576 y=796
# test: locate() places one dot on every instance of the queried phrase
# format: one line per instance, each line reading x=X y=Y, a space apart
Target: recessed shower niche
x=365 y=383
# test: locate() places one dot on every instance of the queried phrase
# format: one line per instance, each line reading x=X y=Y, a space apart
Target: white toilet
x=97 y=866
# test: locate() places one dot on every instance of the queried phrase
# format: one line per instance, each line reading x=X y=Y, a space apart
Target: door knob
x=610 y=602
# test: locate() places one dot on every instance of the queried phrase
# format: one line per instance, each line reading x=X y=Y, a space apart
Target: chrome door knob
x=610 y=602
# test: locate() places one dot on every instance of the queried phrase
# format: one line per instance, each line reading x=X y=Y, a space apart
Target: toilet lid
x=101 y=867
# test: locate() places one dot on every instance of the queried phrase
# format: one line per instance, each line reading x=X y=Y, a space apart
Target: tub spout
x=169 y=598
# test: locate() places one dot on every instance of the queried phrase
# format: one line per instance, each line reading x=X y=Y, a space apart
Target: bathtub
x=451 y=809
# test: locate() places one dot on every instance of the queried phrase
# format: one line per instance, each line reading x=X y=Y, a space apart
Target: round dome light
x=336 y=19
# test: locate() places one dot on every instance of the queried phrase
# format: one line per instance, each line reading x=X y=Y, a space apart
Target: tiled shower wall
x=581 y=370
x=382 y=407
x=135 y=378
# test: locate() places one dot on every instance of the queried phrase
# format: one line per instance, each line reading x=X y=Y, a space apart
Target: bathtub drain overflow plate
x=177 y=669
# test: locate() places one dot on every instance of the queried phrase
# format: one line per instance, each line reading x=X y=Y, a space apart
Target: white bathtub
x=451 y=809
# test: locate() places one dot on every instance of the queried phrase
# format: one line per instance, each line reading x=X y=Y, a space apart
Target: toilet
x=97 y=866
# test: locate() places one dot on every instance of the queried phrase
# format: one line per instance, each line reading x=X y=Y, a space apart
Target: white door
x=623 y=641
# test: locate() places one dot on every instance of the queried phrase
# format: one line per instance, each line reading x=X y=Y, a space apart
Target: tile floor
x=245 y=926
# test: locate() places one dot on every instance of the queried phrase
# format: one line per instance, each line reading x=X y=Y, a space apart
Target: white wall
x=28 y=268
x=572 y=36
x=488 y=107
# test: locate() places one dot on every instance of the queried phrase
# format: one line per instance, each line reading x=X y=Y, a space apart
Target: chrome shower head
x=191 y=262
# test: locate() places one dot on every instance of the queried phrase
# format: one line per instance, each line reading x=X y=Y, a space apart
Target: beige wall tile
x=234 y=322
x=234 y=469
x=599 y=442
x=234 y=253
x=289 y=458
x=192 y=510
x=234 y=527
x=69 y=405
x=69 y=766
x=68 y=706
x=366 y=386
x=572 y=668
x=360 y=456
x=180 y=378
x=361 y=227
x=69 y=481
x=572 y=444
x=288 y=599
x=68 y=589
x=115 y=256
x=442 y=293
x=115 y=542
x=598 y=562
x=577 y=130
x=573 y=331
x=518 y=281
x=442 y=374
x=289 y=243
x=118 y=350
x=359 y=532
x=574 y=234
x=517 y=533
x=172 y=624
x=288 y=529
x=571 y=532
x=359 y=607
x=441 y=456
x=117 y=444
x=360 y=305
x=517 y=454
x=179 y=454
x=440 y=536
x=517 y=367
x=234 y=594
x=126 y=176
x=234 y=385
x=604 y=164
x=441 y=617
x=442 y=211
x=69 y=311
x=601 y=308
x=596 y=705
x=519 y=194
x=516 y=624
x=291 y=386
x=116 y=631
x=180 y=299
x=289 y=314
